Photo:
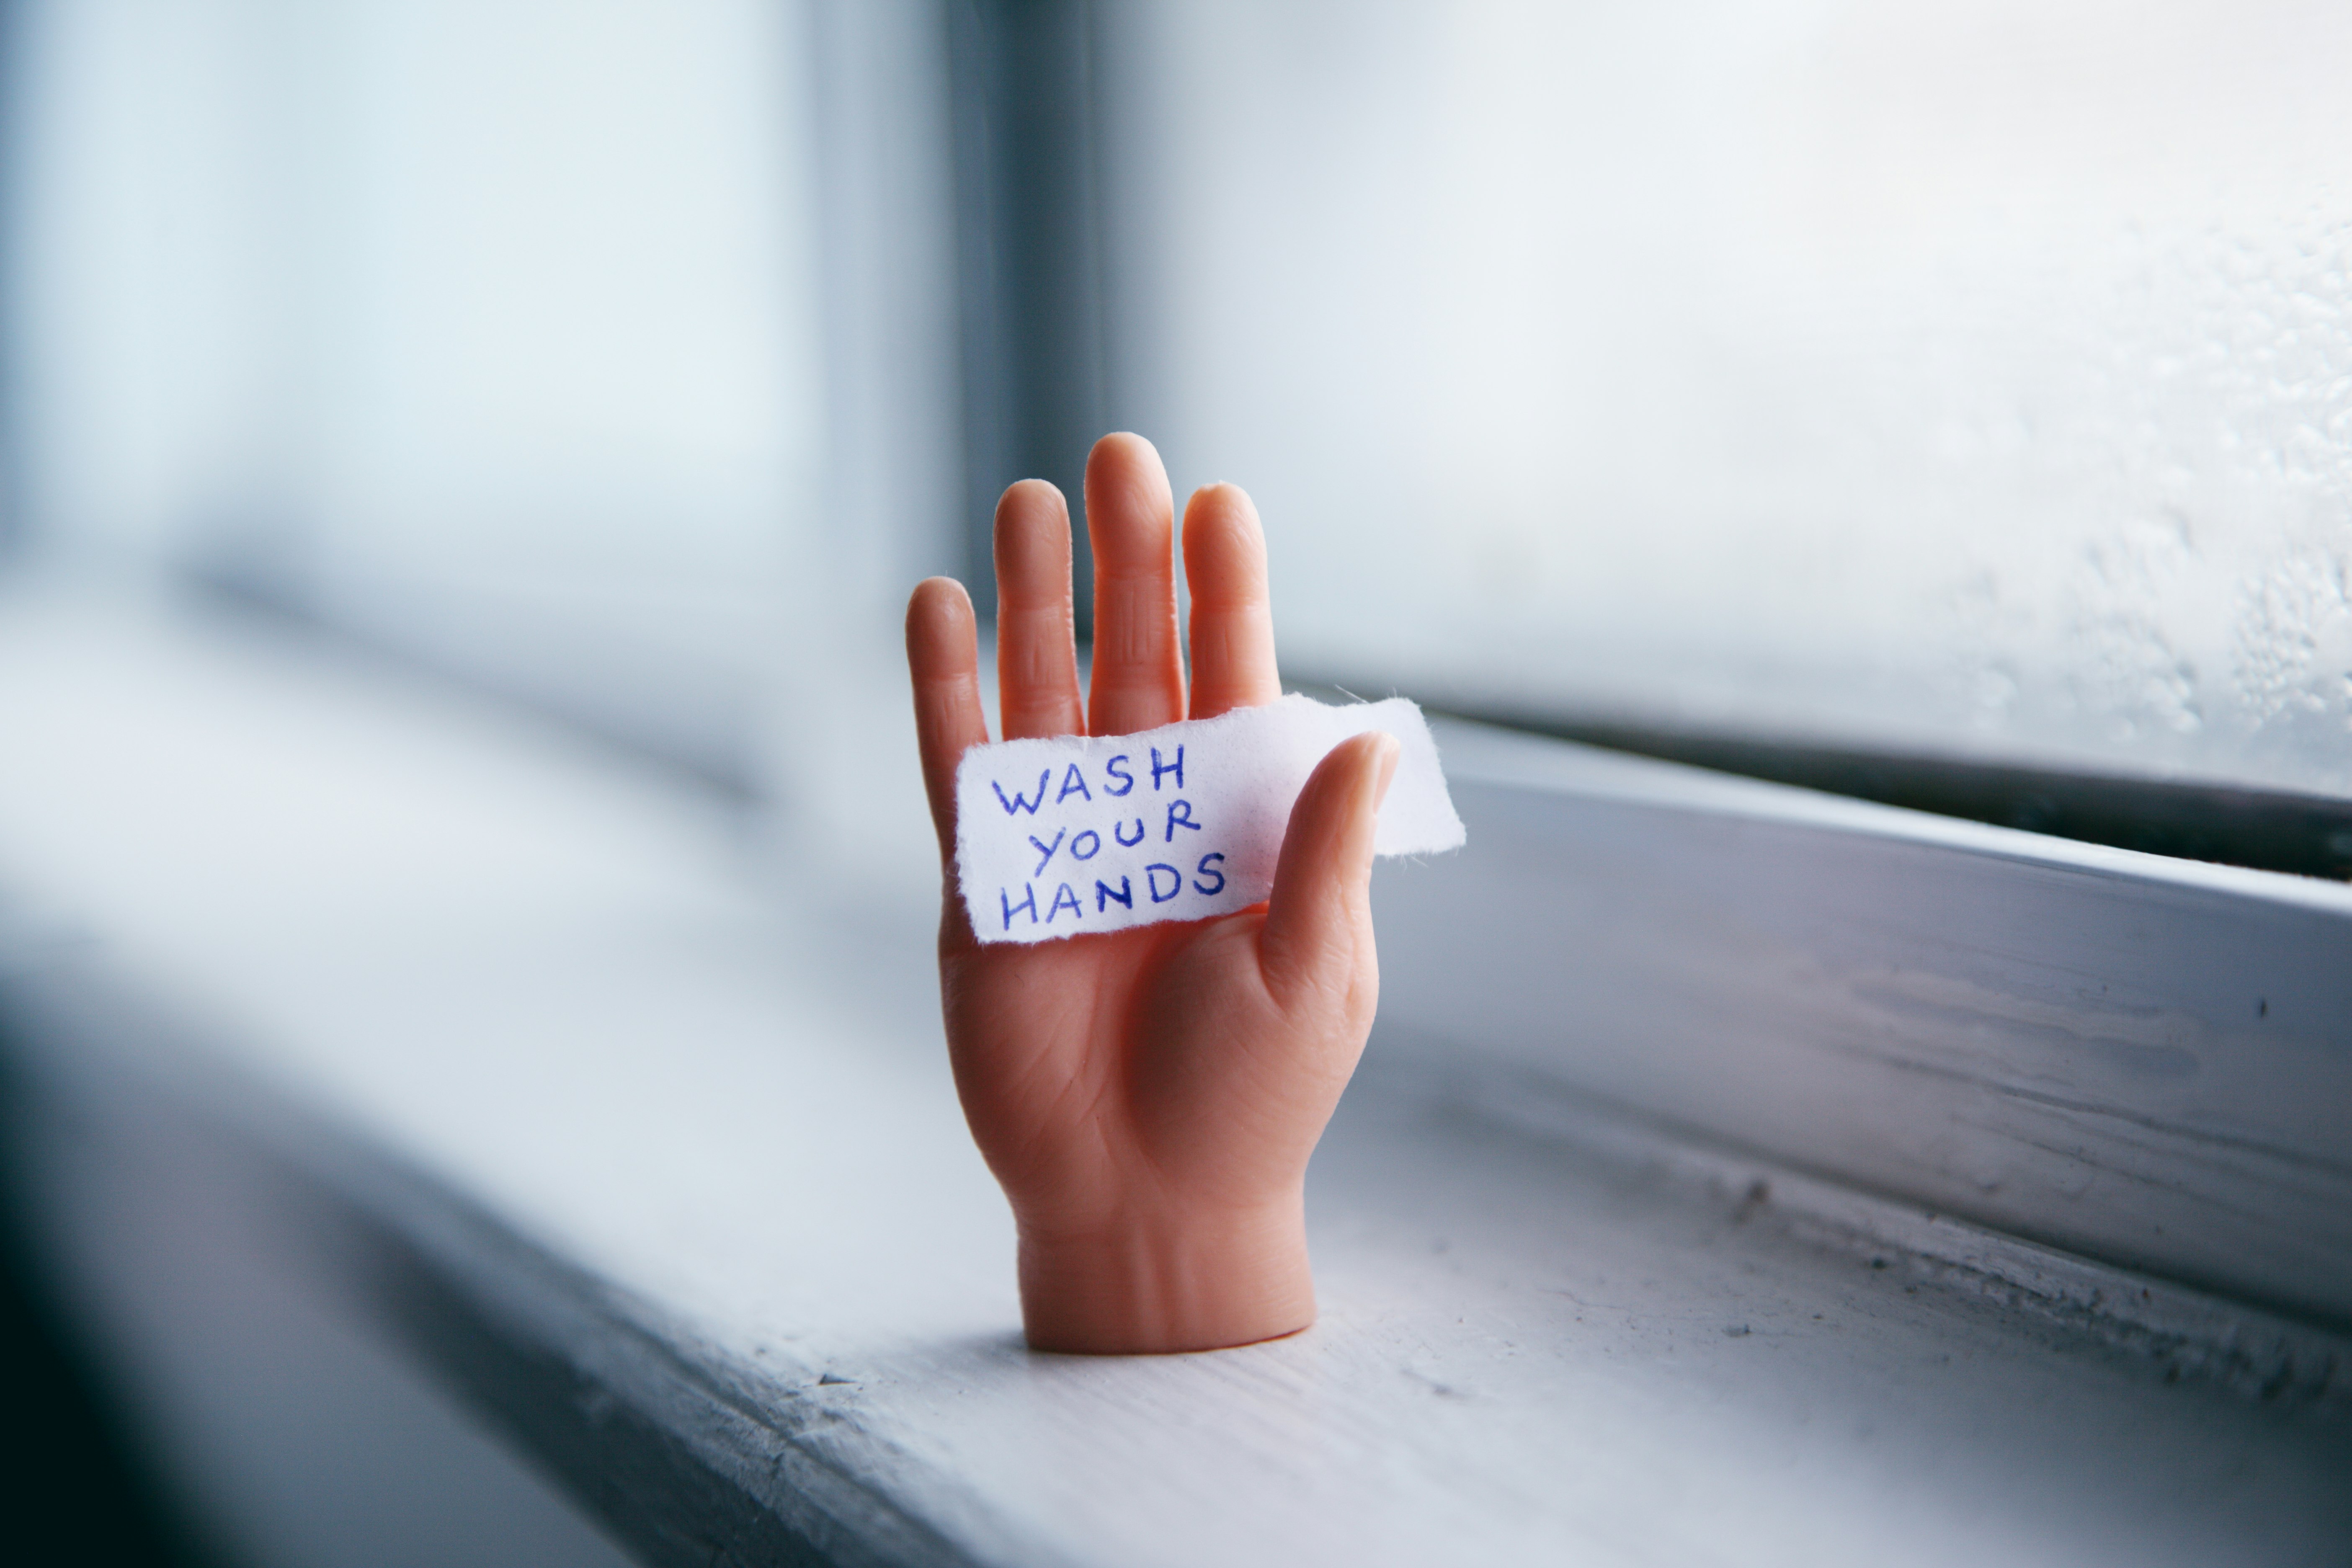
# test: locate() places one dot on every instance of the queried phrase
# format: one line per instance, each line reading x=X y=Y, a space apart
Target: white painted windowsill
x=655 y=1164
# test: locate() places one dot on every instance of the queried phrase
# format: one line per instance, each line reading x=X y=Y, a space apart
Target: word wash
x=1056 y=837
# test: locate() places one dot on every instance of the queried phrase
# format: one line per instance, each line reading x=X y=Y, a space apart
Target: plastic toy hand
x=1149 y=1098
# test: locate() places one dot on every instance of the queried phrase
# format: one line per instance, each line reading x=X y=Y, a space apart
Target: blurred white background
x=1966 y=377
x=1960 y=378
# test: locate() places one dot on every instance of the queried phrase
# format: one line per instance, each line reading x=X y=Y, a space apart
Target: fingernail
x=1391 y=752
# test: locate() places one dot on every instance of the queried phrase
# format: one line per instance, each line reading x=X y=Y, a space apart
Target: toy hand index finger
x=943 y=657
x=1139 y=669
x=1036 y=636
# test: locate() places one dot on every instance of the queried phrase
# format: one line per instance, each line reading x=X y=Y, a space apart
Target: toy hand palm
x=1149 y=1098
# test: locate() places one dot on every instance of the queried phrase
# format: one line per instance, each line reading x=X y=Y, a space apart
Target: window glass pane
x=488 y=328
x=1967 y=377
x=571 y=320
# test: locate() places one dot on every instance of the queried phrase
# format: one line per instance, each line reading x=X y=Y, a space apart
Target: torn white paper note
x=1056 y=837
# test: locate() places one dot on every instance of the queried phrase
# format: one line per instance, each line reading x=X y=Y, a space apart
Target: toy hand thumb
x=1319 y=919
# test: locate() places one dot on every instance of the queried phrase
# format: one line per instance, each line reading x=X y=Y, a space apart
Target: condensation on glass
x=1967 y=377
